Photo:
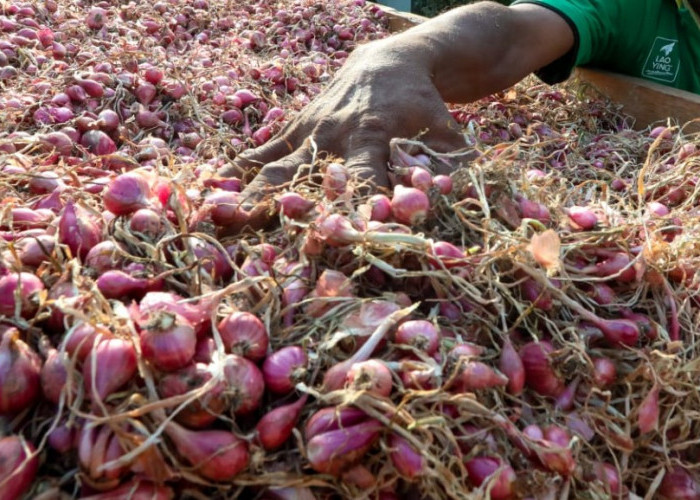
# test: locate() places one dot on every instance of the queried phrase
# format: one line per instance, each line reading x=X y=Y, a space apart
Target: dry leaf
x=545 y=248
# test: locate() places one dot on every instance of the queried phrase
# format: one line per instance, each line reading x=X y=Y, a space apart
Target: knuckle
x=276 y=173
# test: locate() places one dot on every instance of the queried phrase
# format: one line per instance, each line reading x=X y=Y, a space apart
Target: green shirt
x=651 y=39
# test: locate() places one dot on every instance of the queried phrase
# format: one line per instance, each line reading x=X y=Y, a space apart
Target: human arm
x=398 y=86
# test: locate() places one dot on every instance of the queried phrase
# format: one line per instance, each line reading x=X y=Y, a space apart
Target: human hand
x=384 y=90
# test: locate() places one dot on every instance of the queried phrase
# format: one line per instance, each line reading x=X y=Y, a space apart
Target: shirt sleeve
x=593 y=23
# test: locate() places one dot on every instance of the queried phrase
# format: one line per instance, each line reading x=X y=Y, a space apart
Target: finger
x=446 y=137
x=368 y=165
x=252 y=160
x=256 y=198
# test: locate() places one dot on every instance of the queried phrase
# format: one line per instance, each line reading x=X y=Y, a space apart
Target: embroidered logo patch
x=663 y=60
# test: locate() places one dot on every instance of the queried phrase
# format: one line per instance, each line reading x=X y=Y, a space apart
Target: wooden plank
x=646 y=101
x=401 y=21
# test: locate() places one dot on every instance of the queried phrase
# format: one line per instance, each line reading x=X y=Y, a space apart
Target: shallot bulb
x=409 y=205
x=98 y=445
x=407 y=461
x=203 y=411
x=215 y=455
x=244 y=334
x=333 y=451
x=284 y=368
x=18 y=466
x=20 y=369
x=78 y=230
x=168 y=341
x=335 y=180
x=499 y=476
x=110 y=365
x=512 y=367
x=244 y=384
x=276 y=426
x=420 y=334
x=23 y=286
x=294 y=205
x=372 y=376
x=539 y=374
x=127 y=193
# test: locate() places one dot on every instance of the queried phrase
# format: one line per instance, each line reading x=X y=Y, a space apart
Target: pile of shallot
x=523 y=328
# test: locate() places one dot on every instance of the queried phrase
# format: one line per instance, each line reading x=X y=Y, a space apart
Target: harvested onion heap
x=523 y=328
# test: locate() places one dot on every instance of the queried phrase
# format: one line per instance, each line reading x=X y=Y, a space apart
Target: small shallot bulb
x=245 y=384
x=607 y=474
x=19 y=374
x=380 y=206
x=78 y=230
x=17 y=469
x=512 y=367
x=499 y=475
x=444 y=253
x=98 y=143
x=679 y=484
x=276 y=426
x=335 y=180
x=127 y=193
x=110 y=365
x=648 y=418
x=203 y=411
x=96 y=18
x=284 y=368
x=333 y=451
x=419 y=333
x=147 y=222
x=216 y=455
x=244 y=334
x=293 y=205
x=407 y=461
x=421 y=179
x=168 y=341
x=604 y=372
x=23 y=286
x=583 y=217
x=409 y=205
x=372 y=376
x=443 y=183
x=539 y=374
